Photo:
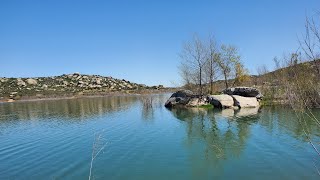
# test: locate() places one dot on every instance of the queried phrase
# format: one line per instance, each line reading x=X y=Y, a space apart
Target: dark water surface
x=53 y=140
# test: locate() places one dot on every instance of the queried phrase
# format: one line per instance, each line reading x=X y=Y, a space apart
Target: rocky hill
x=65 y=85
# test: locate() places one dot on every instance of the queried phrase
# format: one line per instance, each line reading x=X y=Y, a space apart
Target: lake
x=54 y=139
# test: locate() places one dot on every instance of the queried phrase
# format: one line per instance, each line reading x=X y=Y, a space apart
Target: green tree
x=241 y=74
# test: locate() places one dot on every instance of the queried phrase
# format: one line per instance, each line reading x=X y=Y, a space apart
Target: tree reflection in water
x=284 y=120
x=213 y=141
x=79 y=109
x=221 y=134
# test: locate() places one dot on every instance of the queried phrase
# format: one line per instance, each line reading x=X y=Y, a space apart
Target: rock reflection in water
x=220 y=136
x=238 y=113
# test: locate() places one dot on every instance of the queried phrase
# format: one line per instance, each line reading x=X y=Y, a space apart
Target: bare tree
x=262 y=70
x=204 y=60
x=228 y=58
x=277 y=63
x=185 y=73
x=194 y=56
x=211 y=67
x=308 y=80
x=310 y=41
x=264 y=77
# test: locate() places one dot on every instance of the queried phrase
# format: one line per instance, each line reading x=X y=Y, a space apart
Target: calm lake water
x=54 y=139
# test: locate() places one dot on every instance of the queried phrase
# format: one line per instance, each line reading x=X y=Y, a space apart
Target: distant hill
x=265 y=81
x=271 y=78
x=66 y=85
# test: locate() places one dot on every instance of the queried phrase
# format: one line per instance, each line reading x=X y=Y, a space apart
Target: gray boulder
x=221 y=101
x=183 y=93
x=245 y=102
x=243 y=91
x=180 y=98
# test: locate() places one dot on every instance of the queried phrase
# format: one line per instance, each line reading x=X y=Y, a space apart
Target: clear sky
x=140 y=40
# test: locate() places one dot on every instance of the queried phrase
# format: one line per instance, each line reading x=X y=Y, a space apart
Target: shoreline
x=110 y=94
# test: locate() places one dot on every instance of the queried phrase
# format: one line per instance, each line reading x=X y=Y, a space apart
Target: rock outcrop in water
x=67 y=84
x=221 y=101
x=185 y=98
x=229 y=101
x=245 y=102
x=249 y=98
x=242 y=97
x=243 y=91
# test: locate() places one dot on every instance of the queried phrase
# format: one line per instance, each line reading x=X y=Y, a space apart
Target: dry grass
x=98 y=146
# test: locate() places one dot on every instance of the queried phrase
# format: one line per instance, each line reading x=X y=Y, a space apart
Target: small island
x=237 y=97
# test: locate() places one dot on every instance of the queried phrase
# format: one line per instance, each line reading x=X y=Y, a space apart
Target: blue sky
x=140 y=40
